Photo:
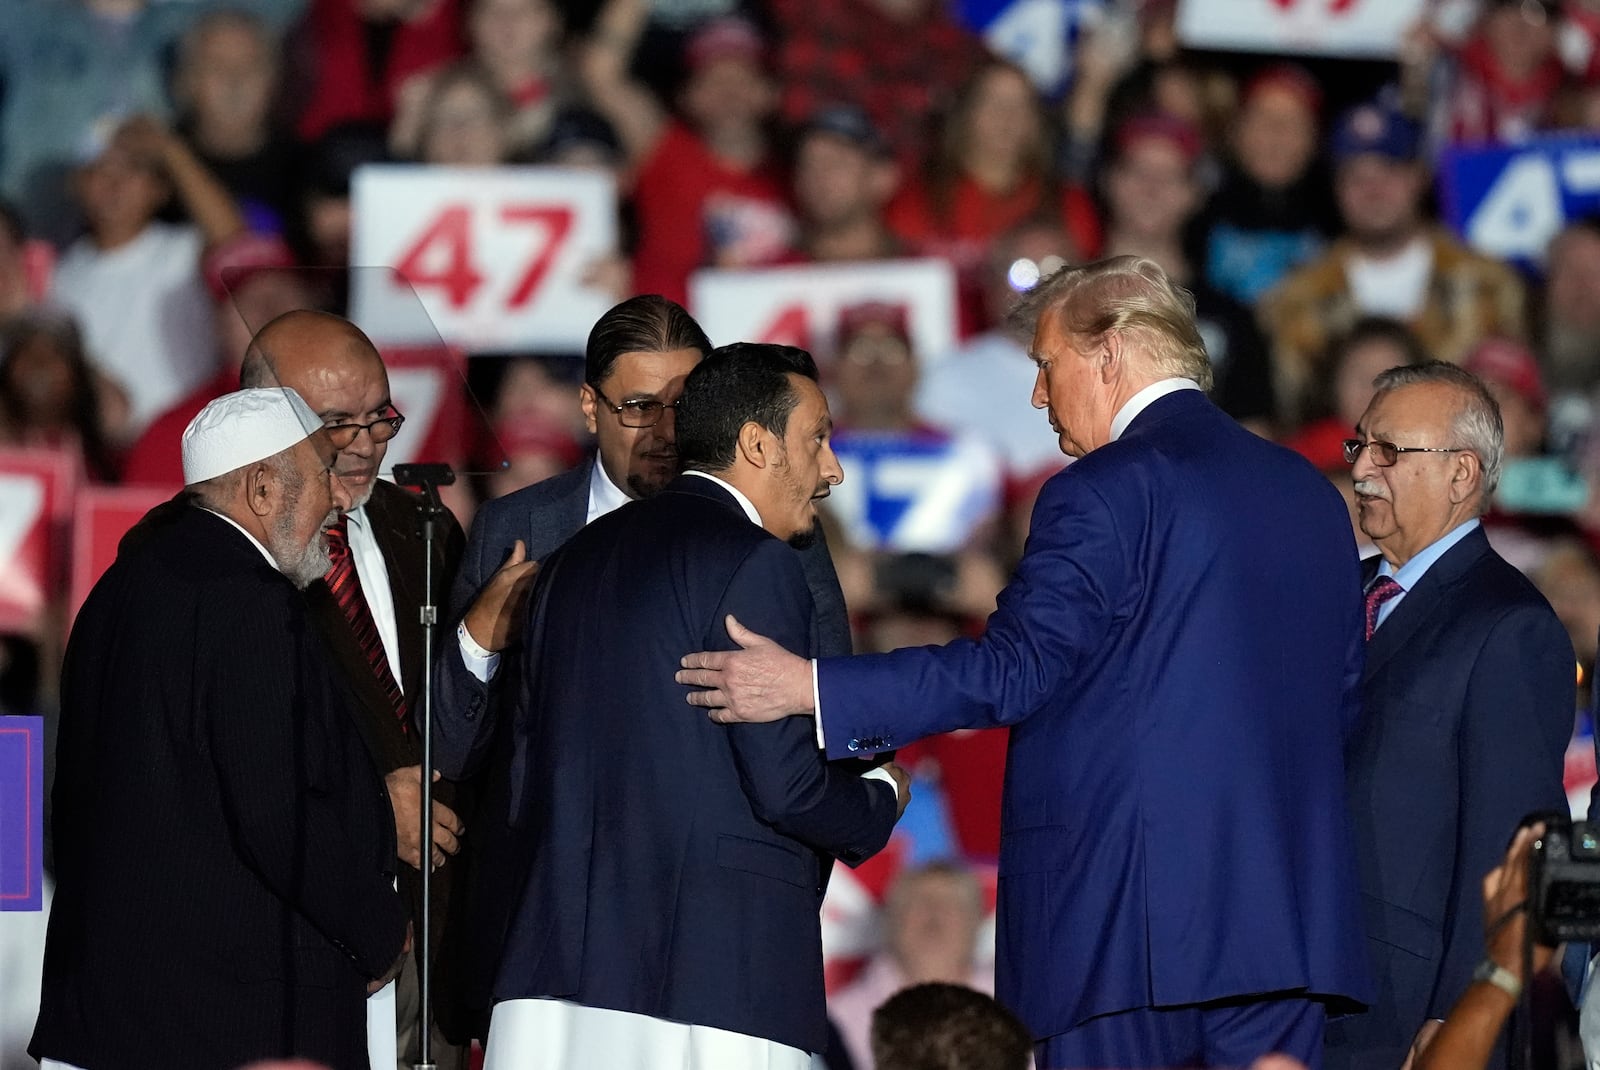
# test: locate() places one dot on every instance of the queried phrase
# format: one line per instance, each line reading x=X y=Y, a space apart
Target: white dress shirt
x=374 y=576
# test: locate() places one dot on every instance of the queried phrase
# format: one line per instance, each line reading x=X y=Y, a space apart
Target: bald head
x=330 y=363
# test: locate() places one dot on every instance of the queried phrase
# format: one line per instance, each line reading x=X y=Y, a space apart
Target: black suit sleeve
x=1510 y=767
x=781 y=769
x=281 y=786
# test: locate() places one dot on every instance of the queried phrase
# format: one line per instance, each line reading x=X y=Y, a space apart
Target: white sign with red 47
x=498 y=256
x=800 y=306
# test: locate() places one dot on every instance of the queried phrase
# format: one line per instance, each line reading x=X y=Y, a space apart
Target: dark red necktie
x=345 y=584
x=1383 y=588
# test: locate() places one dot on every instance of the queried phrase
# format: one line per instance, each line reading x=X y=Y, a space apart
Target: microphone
x=424 y=475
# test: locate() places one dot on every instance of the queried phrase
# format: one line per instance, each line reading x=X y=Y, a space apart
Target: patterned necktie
x=345 y=584
x=1383 y=588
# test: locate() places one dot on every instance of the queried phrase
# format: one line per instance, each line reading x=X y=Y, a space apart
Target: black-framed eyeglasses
x=635 y=412
x=382 y=430
x=1385 y=454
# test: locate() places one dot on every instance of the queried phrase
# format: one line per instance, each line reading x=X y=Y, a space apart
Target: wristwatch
x=1495 y=974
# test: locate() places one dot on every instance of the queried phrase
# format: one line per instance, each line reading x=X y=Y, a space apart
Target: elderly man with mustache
x=1468 y=696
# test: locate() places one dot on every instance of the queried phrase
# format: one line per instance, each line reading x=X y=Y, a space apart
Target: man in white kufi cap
x=224 y=848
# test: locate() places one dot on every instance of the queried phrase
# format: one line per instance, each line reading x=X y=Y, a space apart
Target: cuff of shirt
x=480 y=663
x=816 y=709
x=880 y=773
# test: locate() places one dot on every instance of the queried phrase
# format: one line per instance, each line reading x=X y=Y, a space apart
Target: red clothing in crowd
x=351 y=82
x=972 y=765
x=847 y=52
x=693 y=211
x=963 y=231
x=156 y=459
x=1487 y=106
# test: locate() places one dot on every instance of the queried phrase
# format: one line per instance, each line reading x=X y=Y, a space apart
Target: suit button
x=854 y=744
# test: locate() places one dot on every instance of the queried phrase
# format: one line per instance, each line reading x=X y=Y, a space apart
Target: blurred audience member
x=1374 y=345
x=226 y=86
x=17 y=285
x=73 y=70
x=843 y=178
x=916 y=488
x=534 y=451
x=1569 y=577
x=708 y=191
x=985 y=387
x=355 y=55
x=993 y=168
x=323 y=230
x=1389 y=262
x=1273 y=210
x=898 y=60
x=948 y=1027
x=252 y=281
x=49 y=395
x=580 y=137
x=517 y=45
x=1509 y=370
x=462 y=120
x=1152 y=191
x=134 y=283
x=931 y=919
x=1568 y=328
x=1501 y=82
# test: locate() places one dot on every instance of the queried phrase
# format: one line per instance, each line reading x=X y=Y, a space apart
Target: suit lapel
x=1425 y=602
x=393 y=517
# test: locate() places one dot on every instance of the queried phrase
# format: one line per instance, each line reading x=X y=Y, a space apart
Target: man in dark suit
x=1468 y=702
x=674 y=872
x=367 y=606
x=1178 y=657
x=637 y=357
x=224 y=849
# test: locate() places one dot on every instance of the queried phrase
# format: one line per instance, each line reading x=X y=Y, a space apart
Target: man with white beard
x=224 y=850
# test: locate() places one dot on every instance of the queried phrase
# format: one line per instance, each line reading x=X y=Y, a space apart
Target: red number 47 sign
x=497 y=256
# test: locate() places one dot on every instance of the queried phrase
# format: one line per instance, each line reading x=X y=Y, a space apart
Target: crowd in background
x=164 y=163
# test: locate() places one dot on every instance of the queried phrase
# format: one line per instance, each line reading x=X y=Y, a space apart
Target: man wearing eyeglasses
x=1468 y=693
x=367 y=606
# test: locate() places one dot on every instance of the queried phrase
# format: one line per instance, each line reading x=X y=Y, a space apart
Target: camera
x=1564 y=881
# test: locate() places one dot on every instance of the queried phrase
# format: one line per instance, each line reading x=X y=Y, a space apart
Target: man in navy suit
x=673 y=869
x=1469 y=703
x=637 y=358
x=1178 y=657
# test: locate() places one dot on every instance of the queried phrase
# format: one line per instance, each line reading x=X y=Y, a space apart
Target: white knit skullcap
x=242 y=428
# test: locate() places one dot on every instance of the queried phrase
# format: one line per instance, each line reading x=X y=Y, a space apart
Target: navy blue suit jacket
x=1468 y=709
x=674 y=866
x=1178 y=657
x=469 y=728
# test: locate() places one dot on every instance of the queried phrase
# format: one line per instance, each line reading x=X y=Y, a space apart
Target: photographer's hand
x=1467 y=1037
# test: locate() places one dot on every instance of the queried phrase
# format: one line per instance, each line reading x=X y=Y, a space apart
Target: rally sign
x=800 y=306
x=21 y=813
x=35 y=504
x=1359 y=28
x=427 y=385
x=498 y=256
x=102 y=517
x=1509 y=202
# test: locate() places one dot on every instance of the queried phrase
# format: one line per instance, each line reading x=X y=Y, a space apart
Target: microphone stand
x=428 y=478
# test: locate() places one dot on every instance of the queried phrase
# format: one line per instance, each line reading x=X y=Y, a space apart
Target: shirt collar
x=604 y=495
x=745 y=503
x=1142 y=400
x=1409 y=573
x=253 y=540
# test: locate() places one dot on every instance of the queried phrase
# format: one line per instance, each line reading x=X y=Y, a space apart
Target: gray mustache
x=1369 y=489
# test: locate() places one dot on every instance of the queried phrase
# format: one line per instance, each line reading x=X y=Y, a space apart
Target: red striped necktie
x=345 y=584
x=1383 y=588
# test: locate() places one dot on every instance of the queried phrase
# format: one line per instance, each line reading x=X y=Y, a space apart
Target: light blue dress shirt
x=1413 y=570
